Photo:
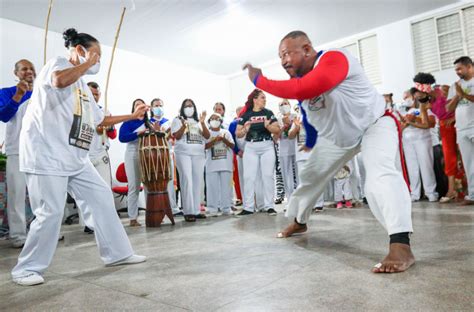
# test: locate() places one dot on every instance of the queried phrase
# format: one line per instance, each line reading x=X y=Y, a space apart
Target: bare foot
x=399 y=259
x=467 y=202
x=293 y=228
x=134 y=223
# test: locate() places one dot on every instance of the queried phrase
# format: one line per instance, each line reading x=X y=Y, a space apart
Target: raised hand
x=252 y=71
x=140 y=111
x=92 y=58
x=202 y=117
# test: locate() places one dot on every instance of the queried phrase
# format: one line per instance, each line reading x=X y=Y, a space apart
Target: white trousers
x=342 y=189
x=299 y=168
x=171 y=189
x=259 y=193
x=219 y=191
x=465 y=140
x=419 y=159
x=16 y=195
x=360 y=165
x=259 y=160
x=385 y=189
x=191 y=173
x=240 y=167
x=132 y=169
x=47 y=196
x=287 y=164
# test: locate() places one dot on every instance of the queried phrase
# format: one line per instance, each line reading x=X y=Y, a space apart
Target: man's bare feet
x=293 y=228
x=399 y=259
x=134 y=223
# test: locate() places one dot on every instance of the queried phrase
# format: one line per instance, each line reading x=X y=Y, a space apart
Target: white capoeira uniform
x=16 y=181
x=57 y=131
x=465 y=132
x=349 y=115
x=259 y=160
x=190 y=161
x=219 y=166
x=418 y=147
x=287 y=160
x=301 y=157
x=342 y=184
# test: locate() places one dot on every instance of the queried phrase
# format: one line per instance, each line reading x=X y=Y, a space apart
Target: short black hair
x=221 y=104
x=72 y=39
x=424 y=78
x=93 y=85
x=296 y=34
x=413 y=90
x=464 y=60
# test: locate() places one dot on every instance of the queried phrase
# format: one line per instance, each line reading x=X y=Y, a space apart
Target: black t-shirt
x=257 y=131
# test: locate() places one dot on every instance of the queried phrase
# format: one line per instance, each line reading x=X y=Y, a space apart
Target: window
x=438 y=41
x=366 y=51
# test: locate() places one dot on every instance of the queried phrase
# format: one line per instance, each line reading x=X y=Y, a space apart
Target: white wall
x=133 y=76
x=396 y=61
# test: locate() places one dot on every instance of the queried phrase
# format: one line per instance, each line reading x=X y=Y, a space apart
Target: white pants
x=385 y=189
x=465 y=140
x=259 y=160
x=47 y=196
x=419 y=159
x=287 y=164
x=191 y=172
x=299 y=167
x=219 y=191
x=16 y=195
x=360 y=165
x=132 y=169
x=354 y=180
x=102 y=164
x=171 y=190
x=342 y=189
x=240 y=167
x=259 y=193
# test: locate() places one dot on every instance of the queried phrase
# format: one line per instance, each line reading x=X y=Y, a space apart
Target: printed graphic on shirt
x=82 y=129
x=219 y=151
x=316 y=103
x=467 y=90
x=301 y=137
x=193 y=134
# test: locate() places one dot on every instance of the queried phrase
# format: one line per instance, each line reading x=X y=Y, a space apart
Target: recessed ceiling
x=215 y=36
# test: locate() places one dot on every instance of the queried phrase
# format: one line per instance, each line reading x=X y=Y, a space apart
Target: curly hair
x=424 y=78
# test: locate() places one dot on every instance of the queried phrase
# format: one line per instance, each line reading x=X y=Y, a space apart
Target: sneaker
x=318 y=209
x=30 y=279
x=339 y=205
x=201 y=216
x=133 y=259
x=278 y=201
x=348 y=204
x=178 y=214
x=227 y=213
x=433 y=198
x=18 y=244
x=271 y=212
x=244 y=213
x=88 y=230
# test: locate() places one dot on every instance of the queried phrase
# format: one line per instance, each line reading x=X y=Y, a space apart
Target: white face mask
x=92 y=70
x=215 y=123
x=158 y=112
x=189 y=111
x=285 y=109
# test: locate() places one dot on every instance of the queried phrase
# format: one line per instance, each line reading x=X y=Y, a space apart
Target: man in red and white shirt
x=339 y=104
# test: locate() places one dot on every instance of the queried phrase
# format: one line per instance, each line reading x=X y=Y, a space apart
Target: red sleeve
x=112 y=134
x=331 y=70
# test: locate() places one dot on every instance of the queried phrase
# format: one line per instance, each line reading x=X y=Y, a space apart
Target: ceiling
x=216 y=36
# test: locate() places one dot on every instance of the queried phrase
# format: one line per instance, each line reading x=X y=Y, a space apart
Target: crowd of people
x=250 y=160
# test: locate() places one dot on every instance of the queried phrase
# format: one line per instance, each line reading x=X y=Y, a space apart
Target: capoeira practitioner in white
x=339 y=101
x=54 y=141
x=287 y=148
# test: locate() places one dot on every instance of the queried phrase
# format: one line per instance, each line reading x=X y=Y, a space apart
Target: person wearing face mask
x=417 y=144
x=219 y=167
x=190 y=133
x=13 y=103
x=163 y=124
x=57 y=131
x=129 y=133
x=287 y=148
x=257 y=124
x=435 y=96
x=461 y=97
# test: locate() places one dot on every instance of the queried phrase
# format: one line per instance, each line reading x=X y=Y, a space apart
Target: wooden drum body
x=155 y=169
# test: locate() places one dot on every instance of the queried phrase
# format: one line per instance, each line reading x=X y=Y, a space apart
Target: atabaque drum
x=155 y=169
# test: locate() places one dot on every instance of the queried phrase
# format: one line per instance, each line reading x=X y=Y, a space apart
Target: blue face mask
x=158 y=112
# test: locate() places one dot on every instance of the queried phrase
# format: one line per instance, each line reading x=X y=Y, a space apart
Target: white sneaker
x=18 y=244
x=227 y=213
x=133 y=259
x=212 y=214
x=31 y=279
x=433 y=198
